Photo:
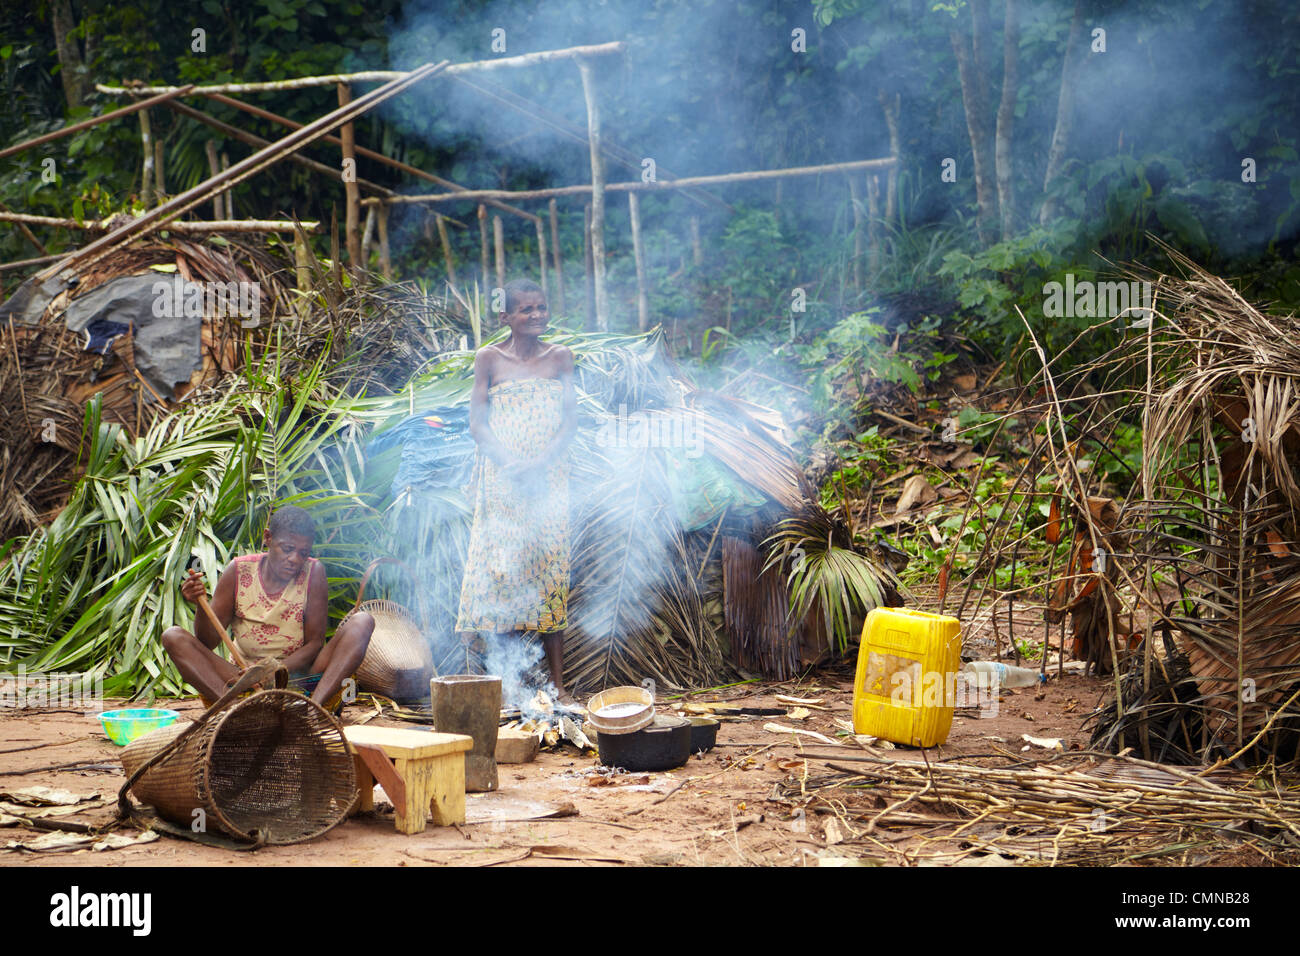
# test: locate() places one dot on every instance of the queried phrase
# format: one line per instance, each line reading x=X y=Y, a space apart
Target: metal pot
x=663 y=745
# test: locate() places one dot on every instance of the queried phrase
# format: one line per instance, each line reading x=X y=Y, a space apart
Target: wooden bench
x=419 y=770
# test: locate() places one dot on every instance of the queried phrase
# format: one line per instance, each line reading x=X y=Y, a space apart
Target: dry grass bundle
x=1074 y=810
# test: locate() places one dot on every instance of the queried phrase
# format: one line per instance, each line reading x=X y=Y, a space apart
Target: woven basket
x=398 y=662
x=272 y=766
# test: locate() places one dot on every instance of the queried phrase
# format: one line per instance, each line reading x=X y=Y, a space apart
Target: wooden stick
x=484 y=270
x=211 y=615
x=237 y=225
x=24 y=263
x=302 y=273
x=214 y=167
x=590 y=303
x=541 y=255
x=381 y=76
x=856 y=202
x=227 y=196
x=499 y=247
x=597 y=230
x=159 y=180
x=639 y=186
x=146 y=147
x=351 y=229
x=555 y=254
x=445 y=239
x=638 y=253
x=95 y=121
x=385 y=262
x=367 y=232
x=27 y=233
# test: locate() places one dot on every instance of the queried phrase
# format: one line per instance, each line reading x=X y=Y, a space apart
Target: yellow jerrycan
x=908 y=666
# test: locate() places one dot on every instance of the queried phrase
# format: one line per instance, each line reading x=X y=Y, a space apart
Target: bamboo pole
x=352 y=218
x=379 y=76
x=597 y=230
x=95 y=121
x=204 y=225
x=159 y=180
x=541 y=255
x=445 y=239
x=638 y=252
x=368 y=232
x=146 y=147
x=873 y=225
x=302 y=273
x=333 y=172
x=484 y=270
x=639 y=186
x=241 y=171
x=368 y=153
x=555 y=254
x=855 y=200
x=385 y=262
x=499 y=247
x=24 y=263
x=214 y=167
x=227 y=196
x=590 y=303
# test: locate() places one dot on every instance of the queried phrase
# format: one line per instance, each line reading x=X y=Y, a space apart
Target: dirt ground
x=637 y=820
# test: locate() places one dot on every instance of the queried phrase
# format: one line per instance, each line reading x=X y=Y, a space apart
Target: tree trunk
x=972 y=72
x=1064 y=114
x=71 y=65
x=1007 y=118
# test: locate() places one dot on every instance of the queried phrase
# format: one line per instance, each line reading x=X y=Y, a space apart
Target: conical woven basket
x=272 y=766
x=398 y=662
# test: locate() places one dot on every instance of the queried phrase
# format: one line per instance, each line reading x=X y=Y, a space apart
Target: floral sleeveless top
x=268 y=625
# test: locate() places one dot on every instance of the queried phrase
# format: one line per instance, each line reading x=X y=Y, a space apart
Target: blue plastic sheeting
x=437 y=450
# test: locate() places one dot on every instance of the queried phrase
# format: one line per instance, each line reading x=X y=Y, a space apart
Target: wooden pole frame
x=245 y=169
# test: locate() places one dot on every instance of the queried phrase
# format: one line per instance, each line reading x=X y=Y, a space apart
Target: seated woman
x=273 y=604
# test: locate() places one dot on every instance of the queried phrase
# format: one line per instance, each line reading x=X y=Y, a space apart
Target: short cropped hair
x=290 y=519
x=517 y=287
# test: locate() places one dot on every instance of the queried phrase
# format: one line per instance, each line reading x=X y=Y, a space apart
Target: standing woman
x=522 y=414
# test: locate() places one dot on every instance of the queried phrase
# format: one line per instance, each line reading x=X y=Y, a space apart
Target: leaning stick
x=211 y=615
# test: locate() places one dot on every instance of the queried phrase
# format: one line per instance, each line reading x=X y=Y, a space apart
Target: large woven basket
x=399 y=661
x=272 y=767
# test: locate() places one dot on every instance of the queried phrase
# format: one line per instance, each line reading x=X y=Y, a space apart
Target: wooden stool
x=420 y=771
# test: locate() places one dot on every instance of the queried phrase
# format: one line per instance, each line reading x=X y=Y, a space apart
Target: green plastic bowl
x=123 y=726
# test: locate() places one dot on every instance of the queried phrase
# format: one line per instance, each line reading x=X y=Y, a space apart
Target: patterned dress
x=268 y=625
x=517 y=570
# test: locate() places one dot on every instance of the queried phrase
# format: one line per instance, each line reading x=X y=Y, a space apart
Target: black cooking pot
x=704 y=733
x=663 y=745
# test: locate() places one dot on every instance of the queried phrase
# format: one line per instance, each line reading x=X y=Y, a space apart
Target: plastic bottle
x=990 y=673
